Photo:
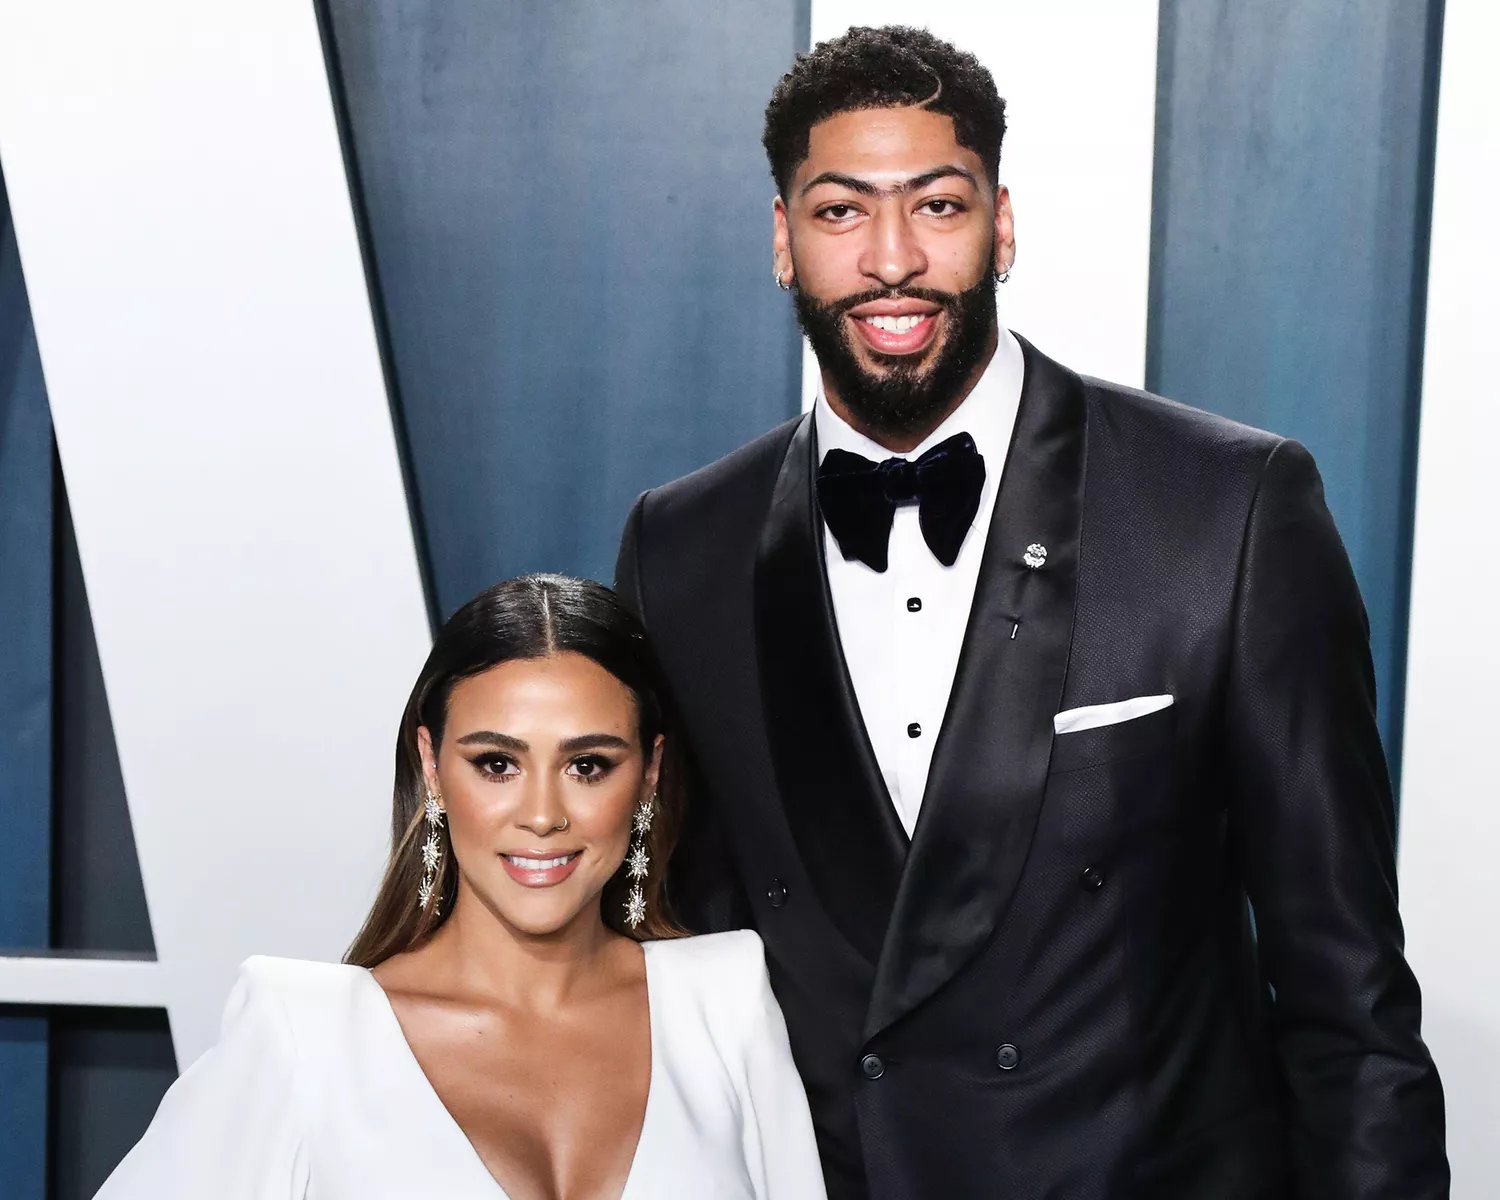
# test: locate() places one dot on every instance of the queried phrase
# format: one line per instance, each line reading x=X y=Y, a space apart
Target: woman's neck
x=477 y=952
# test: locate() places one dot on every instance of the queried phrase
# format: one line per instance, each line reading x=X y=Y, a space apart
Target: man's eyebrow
x=916 y=183
x=861 y=186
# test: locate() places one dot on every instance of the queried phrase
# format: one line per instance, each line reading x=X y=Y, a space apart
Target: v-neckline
x=423 y=1085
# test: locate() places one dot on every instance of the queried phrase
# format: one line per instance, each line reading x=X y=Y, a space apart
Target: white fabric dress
x=313 y=1091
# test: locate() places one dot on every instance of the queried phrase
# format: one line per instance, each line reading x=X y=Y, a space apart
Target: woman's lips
x=536 y=871
x=909 y=333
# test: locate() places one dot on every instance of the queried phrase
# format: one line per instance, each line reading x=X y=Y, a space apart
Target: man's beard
x=909 y=397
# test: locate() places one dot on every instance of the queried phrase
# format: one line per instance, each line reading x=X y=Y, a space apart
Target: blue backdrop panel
x=99 y=902
x=107 y=1069
x=1292 y=199
x=25 y=712
x=569 y=216
x=110 y=1069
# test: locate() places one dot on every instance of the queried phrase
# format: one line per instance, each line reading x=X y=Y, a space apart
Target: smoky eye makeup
x=592 y=768
x=494 y=765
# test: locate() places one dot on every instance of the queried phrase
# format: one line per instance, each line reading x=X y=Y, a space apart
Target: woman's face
x=540 y=771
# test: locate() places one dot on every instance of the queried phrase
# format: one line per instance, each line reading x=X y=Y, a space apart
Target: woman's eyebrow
x=487 y=737
x=593 y=741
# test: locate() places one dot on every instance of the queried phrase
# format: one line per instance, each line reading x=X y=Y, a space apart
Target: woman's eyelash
x=598 y=765
x=595 y=767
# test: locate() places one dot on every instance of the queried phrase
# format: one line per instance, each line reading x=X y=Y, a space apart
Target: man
x=1035 y=722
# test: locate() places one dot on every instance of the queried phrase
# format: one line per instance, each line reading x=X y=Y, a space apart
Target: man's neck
x=906 y=441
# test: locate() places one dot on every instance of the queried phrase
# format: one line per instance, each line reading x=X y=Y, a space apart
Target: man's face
x=892 y=235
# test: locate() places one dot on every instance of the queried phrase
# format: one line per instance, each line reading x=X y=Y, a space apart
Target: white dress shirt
x=313 y=1093
x=902 y=629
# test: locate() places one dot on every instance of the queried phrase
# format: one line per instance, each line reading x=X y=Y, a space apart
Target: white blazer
x=313 y=1092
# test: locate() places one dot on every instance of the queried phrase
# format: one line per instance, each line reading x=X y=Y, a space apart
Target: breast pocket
x=1138 y=737
x=1114 y=781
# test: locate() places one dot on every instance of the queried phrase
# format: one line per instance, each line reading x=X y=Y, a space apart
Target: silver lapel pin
x=1035 y=556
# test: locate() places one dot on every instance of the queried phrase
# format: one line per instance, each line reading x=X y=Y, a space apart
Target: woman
x=519 y=1018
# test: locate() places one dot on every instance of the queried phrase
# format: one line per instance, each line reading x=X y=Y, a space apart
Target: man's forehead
x=884 y=146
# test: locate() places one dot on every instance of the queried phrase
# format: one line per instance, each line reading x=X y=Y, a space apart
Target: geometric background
x=561 y=218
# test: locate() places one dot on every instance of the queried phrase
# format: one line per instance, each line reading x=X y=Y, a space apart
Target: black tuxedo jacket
x=1159 y=959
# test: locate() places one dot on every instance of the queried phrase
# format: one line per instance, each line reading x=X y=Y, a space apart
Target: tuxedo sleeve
x=702 y=884
x=628 y=561
x=1313 y=826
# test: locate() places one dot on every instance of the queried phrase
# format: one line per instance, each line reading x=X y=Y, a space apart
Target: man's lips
x=536 y=870
x=896 y=327
x=895 y=306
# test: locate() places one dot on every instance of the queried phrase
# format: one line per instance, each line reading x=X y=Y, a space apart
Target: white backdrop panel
x=1450 y=806
x=1079 y=82
x=185 y=227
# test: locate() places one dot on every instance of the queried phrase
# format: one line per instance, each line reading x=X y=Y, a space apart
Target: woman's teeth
x=901 y=324
x=540 y=864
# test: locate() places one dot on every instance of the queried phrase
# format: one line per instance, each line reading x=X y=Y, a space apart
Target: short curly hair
x=888 y=67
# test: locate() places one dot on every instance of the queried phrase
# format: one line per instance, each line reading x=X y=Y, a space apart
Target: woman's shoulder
x=299 y=980
x=298 y=996
x=721 y=974
x=739 y=952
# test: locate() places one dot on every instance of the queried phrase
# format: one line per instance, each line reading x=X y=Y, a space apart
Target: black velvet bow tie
x=859 y=499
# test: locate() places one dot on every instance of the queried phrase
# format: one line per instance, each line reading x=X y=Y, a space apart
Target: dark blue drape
x=25 y=712
x=1289 y=253
x=568 y=213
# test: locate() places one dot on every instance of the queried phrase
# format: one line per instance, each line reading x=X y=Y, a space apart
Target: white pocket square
x=1075 y=719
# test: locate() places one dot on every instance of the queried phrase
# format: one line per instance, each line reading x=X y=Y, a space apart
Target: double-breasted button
x=913 y=730
x=1007 y=1058
x=914 y=604
x=872 y=1066
x=776 y=893
x=1092 y=879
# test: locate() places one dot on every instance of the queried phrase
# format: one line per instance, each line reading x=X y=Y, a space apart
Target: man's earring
x=780 y=279
x=638 y=863
x=1004 y=275
x=432 y=851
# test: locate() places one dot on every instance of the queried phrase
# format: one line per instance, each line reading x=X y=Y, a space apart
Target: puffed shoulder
x=306 y=1000
x=723 y=974
x=297 y=976
x=739 y=954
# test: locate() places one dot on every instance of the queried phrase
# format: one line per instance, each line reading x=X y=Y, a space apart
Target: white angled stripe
x=186 y=232
x=1079 y=81
x=82 y=979
x=1450 y=791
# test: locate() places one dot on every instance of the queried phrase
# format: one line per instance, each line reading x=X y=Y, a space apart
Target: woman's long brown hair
x=526 y=618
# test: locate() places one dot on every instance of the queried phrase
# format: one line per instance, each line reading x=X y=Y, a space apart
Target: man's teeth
x=538 y=864
x=901 y=324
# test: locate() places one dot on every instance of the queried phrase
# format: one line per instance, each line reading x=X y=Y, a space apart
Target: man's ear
x=1005 y=231
x=781 y=245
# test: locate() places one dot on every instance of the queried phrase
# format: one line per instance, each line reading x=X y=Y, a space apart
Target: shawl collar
x=836 y=803
x=989 y=768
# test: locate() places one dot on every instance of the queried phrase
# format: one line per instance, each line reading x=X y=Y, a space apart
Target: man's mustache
x=839 y=308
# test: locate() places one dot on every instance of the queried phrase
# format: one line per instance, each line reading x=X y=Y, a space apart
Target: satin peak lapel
x=840 y=814
x=989 y=768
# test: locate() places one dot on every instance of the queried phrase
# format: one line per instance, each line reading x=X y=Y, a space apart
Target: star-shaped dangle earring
x=432 y=851
x=638 y=863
